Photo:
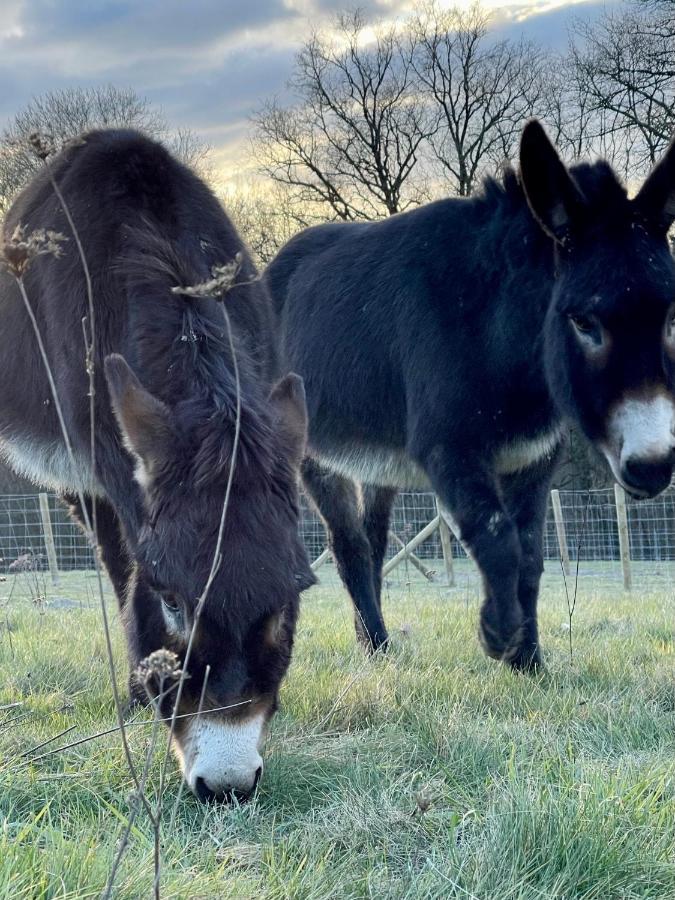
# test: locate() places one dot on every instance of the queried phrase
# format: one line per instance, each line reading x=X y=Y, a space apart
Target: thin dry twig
x=572 y=604
x=131 y=724
x=48 y=741
x=161 y=665
x=42 y=149
x=176 y=804
x=212 y=574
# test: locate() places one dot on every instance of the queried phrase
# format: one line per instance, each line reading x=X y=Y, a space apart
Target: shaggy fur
x=168 y=413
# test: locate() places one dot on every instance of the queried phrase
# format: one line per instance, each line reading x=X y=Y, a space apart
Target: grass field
x=432 y=772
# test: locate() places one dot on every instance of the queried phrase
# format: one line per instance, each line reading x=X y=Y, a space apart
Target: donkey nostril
x=204 y=792
x=208 y=795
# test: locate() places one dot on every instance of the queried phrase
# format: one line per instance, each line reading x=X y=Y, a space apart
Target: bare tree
x=625 y=64
x=265 y=216
x=353 y=141
x=482 y=89
x=64 y=114
x=190 y=149
x=567 y=110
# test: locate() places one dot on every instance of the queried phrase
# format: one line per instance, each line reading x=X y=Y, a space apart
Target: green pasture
x=431 y=772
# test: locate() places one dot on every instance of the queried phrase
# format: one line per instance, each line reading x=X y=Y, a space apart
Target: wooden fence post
x=49 y=538
x=416 y=561
x=560 y=531
x=624 y=543
x=410 y=546
x=320 y=560
x=446 y=545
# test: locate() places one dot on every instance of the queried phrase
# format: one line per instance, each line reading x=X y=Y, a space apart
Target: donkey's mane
x=597 y=182
x=191 y=364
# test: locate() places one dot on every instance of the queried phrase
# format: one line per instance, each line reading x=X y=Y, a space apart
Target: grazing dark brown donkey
x=445 y=346
x=165 y=425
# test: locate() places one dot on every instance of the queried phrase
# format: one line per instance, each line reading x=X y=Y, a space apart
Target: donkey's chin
x=220 y=758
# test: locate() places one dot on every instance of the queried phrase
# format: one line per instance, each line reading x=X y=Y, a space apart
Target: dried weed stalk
x=572 y=601
x=17 y=253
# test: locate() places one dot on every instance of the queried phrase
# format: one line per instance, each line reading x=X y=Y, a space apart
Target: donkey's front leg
x=489 y=534
x=526 y=496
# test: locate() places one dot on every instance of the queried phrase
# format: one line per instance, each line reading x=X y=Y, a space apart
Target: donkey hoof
x=373 y=642
x=528 y=659
x=505 y=648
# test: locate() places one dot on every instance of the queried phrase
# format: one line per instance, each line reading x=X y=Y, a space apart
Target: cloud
x=186 y=56
x=207 y=63
x=317 y=8
x=548 y=22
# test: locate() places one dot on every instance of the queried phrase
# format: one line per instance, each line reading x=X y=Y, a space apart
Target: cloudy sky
x=206 y=63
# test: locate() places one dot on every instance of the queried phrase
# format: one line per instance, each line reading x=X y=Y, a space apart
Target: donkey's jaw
x=220 y=757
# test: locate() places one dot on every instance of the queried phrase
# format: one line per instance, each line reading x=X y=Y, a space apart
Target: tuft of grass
x=430 y=772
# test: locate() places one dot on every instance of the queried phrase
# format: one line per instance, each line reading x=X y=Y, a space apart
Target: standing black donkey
x=445 y=347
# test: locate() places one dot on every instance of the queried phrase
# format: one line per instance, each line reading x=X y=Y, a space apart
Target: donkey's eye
x=171 y=602
x=670 y=324
x=173 y=608
x=587 y=329
x=583 y=324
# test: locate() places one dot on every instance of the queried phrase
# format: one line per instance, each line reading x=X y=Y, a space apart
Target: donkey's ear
x=145 y=422
x=288 y=399
x=656 y=198
x=555 y=200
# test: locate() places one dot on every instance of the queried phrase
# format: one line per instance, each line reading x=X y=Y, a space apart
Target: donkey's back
x=116 y=181
x=135 y=208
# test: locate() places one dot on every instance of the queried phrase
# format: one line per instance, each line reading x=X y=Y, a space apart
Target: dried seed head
x=42 y=144
x=223 y=279
x=160 y=664
x=17 y=251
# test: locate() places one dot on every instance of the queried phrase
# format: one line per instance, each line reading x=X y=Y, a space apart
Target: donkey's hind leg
x=111 y=543
x=377 y=504
x=337 y=501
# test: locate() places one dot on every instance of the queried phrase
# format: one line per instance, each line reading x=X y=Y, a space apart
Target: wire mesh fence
x=22 y=536
x=589 y=519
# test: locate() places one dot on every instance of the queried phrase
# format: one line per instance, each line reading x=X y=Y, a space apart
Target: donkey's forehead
x=623 y=273
x=255 y=564
x=608 y=230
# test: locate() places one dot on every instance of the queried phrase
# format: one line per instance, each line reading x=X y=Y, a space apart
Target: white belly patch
x=48 y=465
x=522 y=454
x=394 y=468
x=375 y=465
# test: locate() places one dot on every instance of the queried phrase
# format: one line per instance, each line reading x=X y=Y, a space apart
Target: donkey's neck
x=518 y=266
